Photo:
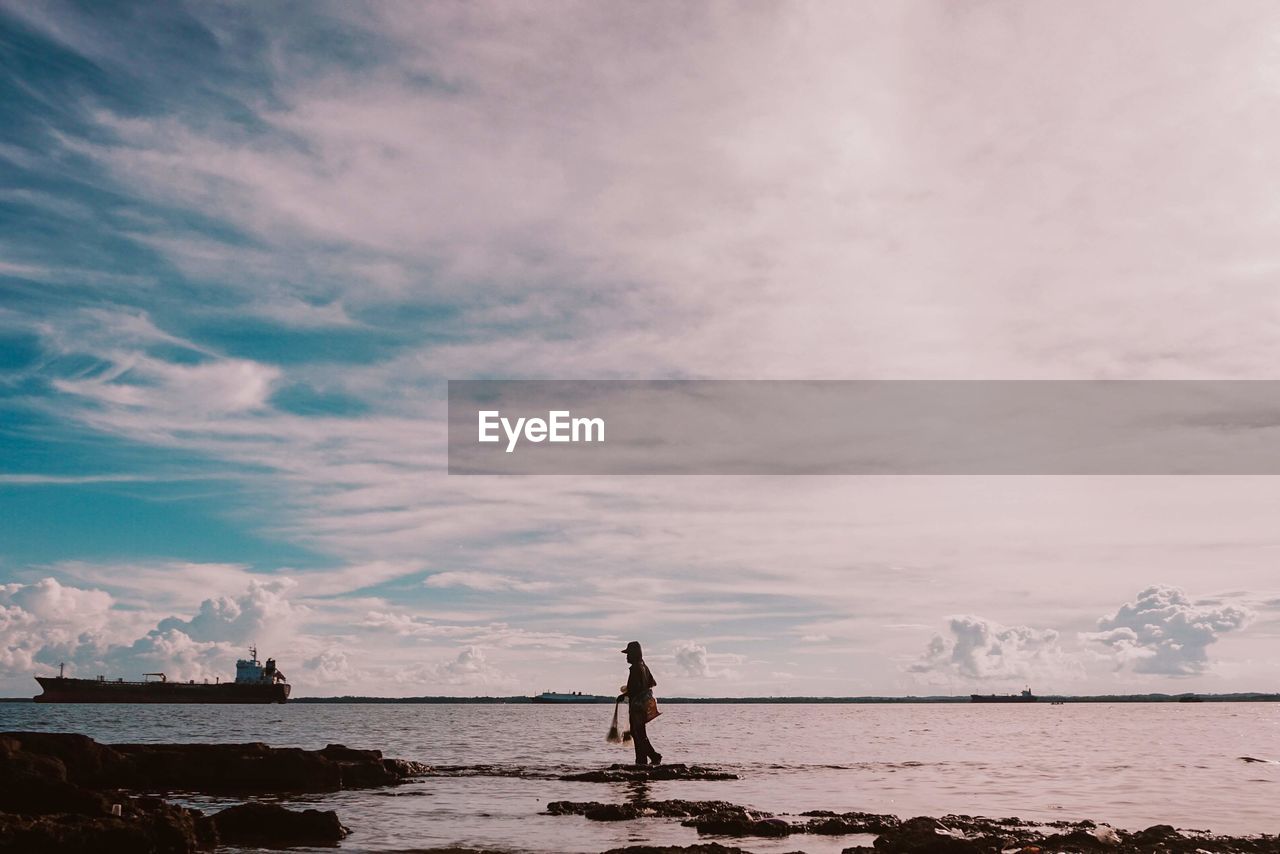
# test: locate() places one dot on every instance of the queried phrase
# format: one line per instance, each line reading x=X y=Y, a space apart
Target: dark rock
x=271 y=825
x=421 y=770
x=85 y=762
x=32 y=784
x=403 y=769
x=342 y=753
x=628 y=773
x=151 y=828
x=701 y=848
x=739 y=821
x=1078 y=839
x=597 y=811
x=838 y=824
x=232 y=768
x=216 y=768
x=1157 y=834
x=924 y=835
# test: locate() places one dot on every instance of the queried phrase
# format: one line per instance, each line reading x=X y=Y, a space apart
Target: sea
x=1128 y=765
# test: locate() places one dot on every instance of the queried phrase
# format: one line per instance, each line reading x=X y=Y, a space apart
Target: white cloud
x=331 y=667
x=470 y=668
x=693 y=660
x=264 y=612
x=678 y=203
x=982 y=650
x=1163 y=632
x=48 y=618
x=486 y=581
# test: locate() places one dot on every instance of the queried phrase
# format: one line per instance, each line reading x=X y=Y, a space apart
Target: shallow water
x=1131 y=765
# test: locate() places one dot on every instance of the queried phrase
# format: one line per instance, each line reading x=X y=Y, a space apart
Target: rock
x=250 y=768
x=85 y=762
x=1106 y=835
x=1157 y=834
x=342 y=753
x=739 y=821
x=32 y=784
x=57 y=791
x=703 y=848
x=403 y=769
x=627 y=773
x=271 y=825
x=597 y=811
x=422 y=770
x=838 y=824
x=152 y=827
x=231 y=768
x=924 y=835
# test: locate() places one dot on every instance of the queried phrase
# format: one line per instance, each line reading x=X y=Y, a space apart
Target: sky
x=243 y=248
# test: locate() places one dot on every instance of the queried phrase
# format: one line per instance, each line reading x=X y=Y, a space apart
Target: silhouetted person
x=638 y=691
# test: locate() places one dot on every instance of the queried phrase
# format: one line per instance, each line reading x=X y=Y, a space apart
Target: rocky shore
x=69 y=794
x=951 y=834
x=66 y=793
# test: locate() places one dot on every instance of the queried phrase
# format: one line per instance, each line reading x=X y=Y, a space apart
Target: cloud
x=725 y=180
x=983 y=650
x=409 y=625
x=264 y=611
x=693 y=660
x=1163 y=632
x=45 y=618
x=331 y=667
x=48 y=622
x=469 y=668
x=486 y=581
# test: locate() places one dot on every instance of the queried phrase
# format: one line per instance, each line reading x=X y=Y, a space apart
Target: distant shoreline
x=1047 y=699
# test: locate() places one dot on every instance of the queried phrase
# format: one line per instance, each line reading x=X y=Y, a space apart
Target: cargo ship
x=255 y=683
x=575 y=697
x=1025 y=697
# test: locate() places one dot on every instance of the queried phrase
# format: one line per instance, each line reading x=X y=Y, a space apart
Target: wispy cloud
x=254 y=251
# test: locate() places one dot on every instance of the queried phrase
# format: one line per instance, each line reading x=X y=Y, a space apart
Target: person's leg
x=640 y=739
x=654 y=756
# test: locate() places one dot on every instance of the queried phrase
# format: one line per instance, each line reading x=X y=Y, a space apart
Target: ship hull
x=60 y=690
x=571 y=699
x=1001 y=698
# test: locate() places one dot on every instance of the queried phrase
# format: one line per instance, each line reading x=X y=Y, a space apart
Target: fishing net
x=616 y=736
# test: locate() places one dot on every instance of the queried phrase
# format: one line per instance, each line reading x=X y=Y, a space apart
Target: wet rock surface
x=212 y=768
x=722 y=818
x=488 y=771
x=951 y=834
x=597 y=811
x=702 y=848
x=613 y=774
x=631 y=773
x=58 y=792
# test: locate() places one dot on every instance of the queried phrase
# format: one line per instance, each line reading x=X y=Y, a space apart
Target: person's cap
x=634 y=645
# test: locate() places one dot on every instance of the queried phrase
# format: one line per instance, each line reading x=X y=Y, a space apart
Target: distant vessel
x=255 y=683
x=575 y=697
x=1025 y=697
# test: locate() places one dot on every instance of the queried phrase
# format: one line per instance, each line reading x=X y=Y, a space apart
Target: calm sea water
x=1128 y=765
